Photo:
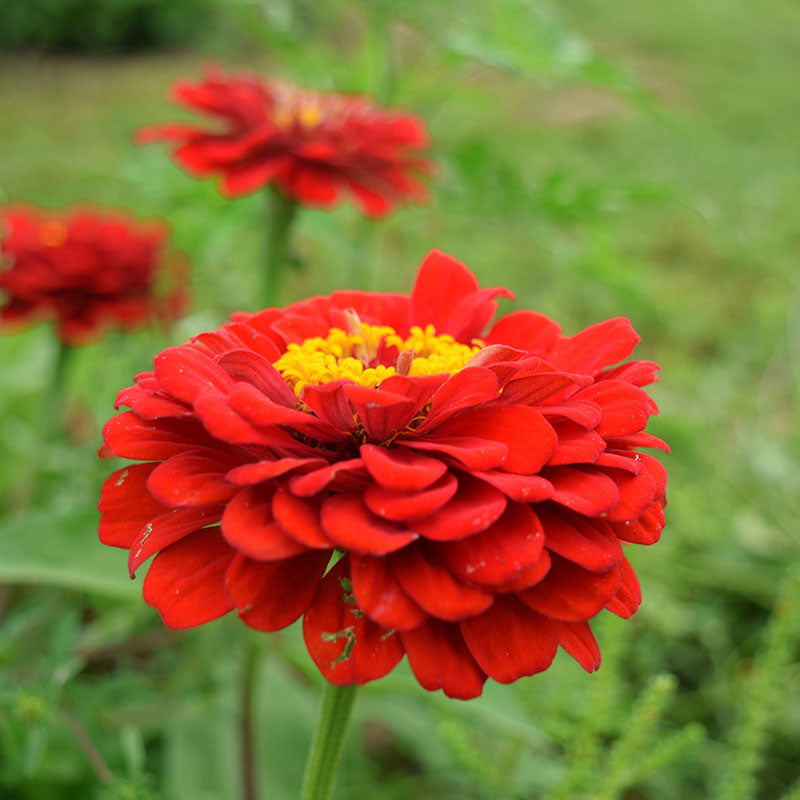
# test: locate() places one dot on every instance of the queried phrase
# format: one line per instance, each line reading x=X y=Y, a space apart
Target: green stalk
x=282 y=211
x=326 y=749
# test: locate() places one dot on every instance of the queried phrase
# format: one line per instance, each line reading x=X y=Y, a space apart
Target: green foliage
x=559 y=176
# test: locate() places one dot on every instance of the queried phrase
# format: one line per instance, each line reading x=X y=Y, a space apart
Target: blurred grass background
x=600 y=159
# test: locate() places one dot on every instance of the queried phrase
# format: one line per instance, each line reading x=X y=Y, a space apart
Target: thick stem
x=282 y=211
x=326 y=749
x=246 y=725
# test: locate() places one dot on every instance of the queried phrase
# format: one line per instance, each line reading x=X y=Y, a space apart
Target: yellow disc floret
x=349 y=355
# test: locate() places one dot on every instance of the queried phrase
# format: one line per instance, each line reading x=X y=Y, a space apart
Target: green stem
x=246 y=722
x=282 y=211
x=326 y=749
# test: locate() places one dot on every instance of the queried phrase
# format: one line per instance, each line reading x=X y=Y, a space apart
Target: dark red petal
x=629 y=595
x=350 y=524
x=261 y=471
x=533 y=389
x=399 y=506
x=434 y=588
x=163 y=530
x=509 y=640
x=382 y=413
x=597 y=346
x=590 y=543
x=347 y=646
x=186 y=581
x=530 y=439
x=503 y=362
x=400 y=468
x=440 y=659
x=193 y=478
x=576 y=445
x=578 y=640
x=349 y=471
x=526 y=330
x=184 y=372
x=129 y=436
x=571 y=593
x=329 y=402
x=522 y=488
x=472 y=452
x=442 y=282
x=582 y=490
x=475 y=506
x=151 y=406
x=586 y=414
x=499 y=553
x=416 y=388
x=645 y=530
x=528 y=577
x=248 y=525
x=126 y=506
x=468 y=387
x=381 y=596
x=299 y=518
x=269 y=595
x=625 y=408
x=636 y=494
x=221 y=421
x=256 y=370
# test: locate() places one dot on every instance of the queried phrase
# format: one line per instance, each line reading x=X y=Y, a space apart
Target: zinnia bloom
x=405 y=479
x=87 y=270
x=316 y=148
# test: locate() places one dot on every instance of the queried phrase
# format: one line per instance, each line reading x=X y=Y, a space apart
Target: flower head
x=316 y=148
x=407 y=477
x=87 y=270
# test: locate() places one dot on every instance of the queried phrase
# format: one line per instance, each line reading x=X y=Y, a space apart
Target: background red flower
x=87 y=270
x=473 y=483
x=316 y=148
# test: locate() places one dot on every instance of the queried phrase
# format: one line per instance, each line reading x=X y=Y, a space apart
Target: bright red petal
x=401 y=469
x=126 y=506
x=578 y=640
x=400 y=506
x=348 y=523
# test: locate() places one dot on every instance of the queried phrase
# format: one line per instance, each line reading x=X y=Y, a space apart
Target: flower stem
x=282 y=211
x=246 y=724
x=326 y=749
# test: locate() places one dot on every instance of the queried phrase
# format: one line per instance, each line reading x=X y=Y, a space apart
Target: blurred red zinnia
x=87 y=270
x=476 y=485
x=316 y=148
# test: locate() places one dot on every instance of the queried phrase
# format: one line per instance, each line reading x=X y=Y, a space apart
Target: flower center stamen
x=368 y=354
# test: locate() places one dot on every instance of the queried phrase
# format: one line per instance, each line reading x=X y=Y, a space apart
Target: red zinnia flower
x=476 y=486
x=87 y=270
x=317 y=148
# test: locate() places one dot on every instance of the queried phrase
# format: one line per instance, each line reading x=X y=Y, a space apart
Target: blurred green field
x=609 y=159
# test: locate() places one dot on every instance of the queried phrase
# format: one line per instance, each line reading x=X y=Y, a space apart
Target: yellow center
x=353 y=356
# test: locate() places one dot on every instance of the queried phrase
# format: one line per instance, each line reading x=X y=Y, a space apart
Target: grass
x=677 y=212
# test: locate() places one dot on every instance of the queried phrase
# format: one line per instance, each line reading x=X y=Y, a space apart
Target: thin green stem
x=246 y=721
x=326 y=749
x=282 y=211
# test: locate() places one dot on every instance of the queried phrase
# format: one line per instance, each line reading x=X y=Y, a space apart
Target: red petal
x=222 y=422
x=468 y=387
x=193 y=478
x=625 y=408
x=589 y=543
x=629 y=595
x=329 y=402
x=473 y=453
x=350 y=524
x=126 y=506
x=522 y=488
x=528 y=577
x=168 y=528
x=656 y=470
x=526 y=330
x=440 y=659
x=639 y=373
x=634 y=441
x=499 y=553
x=597 y=346
x=399 y=506
x=434 y=588
x=269 y=595
x=256 y=370
x=342 y=472
x=382 y=413
x=587 y=492
x=474 y=507
x=509 y=640
x=585 y=414
x=186 y=581
x=533 y=389
x=645 y=530
x=150 y=406
x=530 y=439
x=184 y=372
x=400 y=468
x=570 y=592
x=578 y=640
x=261 y=471
x=247 y=524
x=380 y=595
x=442 y=282
x=347 y=646
x=299 y=518
x=129 y=436
x=576 y=445
x=250 y=176
x=636 y=494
